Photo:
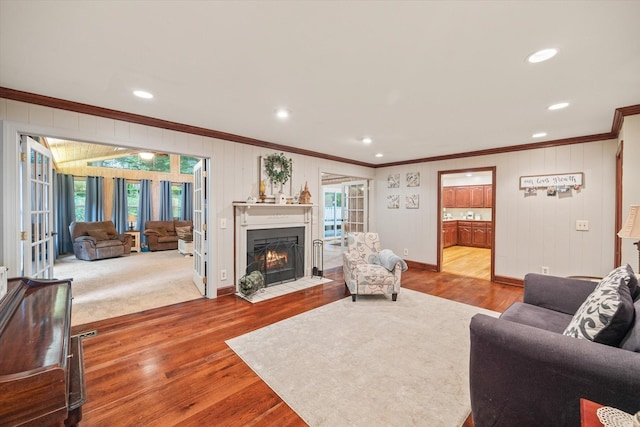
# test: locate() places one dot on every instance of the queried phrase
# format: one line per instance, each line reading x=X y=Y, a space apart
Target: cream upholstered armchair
x=368 y=269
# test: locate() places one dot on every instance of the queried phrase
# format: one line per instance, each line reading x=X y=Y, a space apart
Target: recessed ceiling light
x=145 y=156
x=379 y=155
x=142 y=94
x=282 y=114
x=469 y=174
x=542 y=55
x=367 y=140
x=539 y=135
x=558 y=106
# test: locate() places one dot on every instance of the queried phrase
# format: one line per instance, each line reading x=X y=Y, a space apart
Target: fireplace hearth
x=278 y=253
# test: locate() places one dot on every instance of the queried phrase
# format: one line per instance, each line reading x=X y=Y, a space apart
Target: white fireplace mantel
x=256 y=216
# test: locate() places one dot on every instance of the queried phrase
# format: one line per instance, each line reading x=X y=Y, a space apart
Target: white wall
x=234 y=169
x=530 y=232
x=630 y=134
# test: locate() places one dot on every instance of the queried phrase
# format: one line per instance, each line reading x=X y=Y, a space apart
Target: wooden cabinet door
x=446 y=237
x=449 y=197
x=479 y=235
x=449 y=234
x=488 y=196
x=462 y=197
x=464 y=233
x=489 y=235
x=476 y=195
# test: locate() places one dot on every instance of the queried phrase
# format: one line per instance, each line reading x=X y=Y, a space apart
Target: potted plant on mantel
x=278 y=170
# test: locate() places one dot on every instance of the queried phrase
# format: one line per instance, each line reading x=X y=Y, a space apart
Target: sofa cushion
x=184 y=233
x=625 y=272
x=631 y=341
x=538 y=317
x=98 y=234
x=606 y=314
x=161 y=231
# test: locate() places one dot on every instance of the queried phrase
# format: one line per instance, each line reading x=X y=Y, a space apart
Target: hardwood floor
x=170 y=366
x=467 y=261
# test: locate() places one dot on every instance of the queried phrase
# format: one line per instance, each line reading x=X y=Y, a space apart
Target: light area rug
x=370 y=363
x=113 y=287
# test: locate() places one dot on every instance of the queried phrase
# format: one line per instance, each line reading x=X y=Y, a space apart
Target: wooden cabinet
x=488 y=196
x=479 y=234
x=467 y=196
x=449 y=197
x=464 y=233
x=462 y=197
x=449 y=233
x=475 y=233
x=476 y=196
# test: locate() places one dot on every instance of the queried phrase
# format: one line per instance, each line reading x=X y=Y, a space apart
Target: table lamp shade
x=631 y=227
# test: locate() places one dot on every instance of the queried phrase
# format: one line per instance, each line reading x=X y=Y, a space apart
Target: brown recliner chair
x=98 y=240
x=162 y=235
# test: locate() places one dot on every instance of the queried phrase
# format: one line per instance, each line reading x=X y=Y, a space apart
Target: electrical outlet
x=544 y=270
x=582 y=225
x=405 y=252
x=223 y=222
x=223 y=274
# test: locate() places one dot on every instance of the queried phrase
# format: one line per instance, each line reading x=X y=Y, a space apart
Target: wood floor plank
x=171 y=366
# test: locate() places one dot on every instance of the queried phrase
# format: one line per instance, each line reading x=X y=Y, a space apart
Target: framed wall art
x=393 y=180
x=413 y=179
x=393 y=201
x=412 y=201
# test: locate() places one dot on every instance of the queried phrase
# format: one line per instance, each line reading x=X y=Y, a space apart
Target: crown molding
x=62 y=104
x=77 y=107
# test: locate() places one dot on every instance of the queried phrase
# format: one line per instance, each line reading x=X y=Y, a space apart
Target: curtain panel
x=94 y=202
x=144 y=207
x=186 y=198
x=64 y=212
x=166 y=204
x=120 y=208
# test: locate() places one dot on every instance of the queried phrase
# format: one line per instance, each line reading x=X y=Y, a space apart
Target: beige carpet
x=113 y=287
x=370 y=363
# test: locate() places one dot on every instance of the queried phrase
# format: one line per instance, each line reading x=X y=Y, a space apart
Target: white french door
x=37 y=249
x=200 y=225
x=355 y=202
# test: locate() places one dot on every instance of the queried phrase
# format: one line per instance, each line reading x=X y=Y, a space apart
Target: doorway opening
x=345 y=202
x=115 y=286
x=466 y=220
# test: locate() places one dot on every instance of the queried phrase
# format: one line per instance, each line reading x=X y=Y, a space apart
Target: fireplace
x=287 y=226
x=278 y=253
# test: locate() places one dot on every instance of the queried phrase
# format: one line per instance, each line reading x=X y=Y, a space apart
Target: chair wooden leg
x=394 y=296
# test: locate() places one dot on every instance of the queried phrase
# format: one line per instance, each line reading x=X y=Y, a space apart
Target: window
x=187 y=163
x=133 y=198
x=159 y=163
x=176 y=199
x=79 y=197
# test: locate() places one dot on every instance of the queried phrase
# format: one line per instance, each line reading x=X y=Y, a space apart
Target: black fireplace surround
x=278 y=253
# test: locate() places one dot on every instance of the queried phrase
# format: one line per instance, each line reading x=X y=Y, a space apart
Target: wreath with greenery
x=278 y=168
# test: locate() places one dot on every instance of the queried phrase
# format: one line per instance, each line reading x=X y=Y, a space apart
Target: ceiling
x=421 y=78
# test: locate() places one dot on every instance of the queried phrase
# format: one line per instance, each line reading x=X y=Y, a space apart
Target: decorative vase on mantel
x=263 y=189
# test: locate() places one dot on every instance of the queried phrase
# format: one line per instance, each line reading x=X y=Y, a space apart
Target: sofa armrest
x=525 y=376
x=88 y=239
x=556 y=293
x=151 y=232
x=124 y=237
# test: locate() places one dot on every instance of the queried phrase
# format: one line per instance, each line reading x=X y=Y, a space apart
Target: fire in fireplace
x=278 y=253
